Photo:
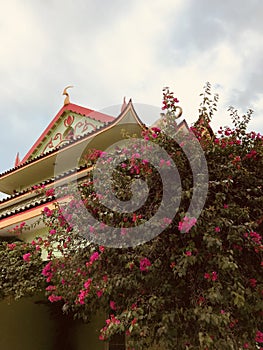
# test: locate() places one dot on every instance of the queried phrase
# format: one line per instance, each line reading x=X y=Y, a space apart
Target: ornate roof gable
x=38 y=165
x=71 y=122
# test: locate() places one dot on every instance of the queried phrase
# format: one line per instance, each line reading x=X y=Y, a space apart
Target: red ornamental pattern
x=68 y=121
x=79 y=129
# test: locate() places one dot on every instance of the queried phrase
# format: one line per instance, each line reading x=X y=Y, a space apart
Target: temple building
x=30 y=323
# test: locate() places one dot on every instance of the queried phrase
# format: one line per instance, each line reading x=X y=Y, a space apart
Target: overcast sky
x=109 y=49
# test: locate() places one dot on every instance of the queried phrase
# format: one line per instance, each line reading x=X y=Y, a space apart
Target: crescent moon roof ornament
x=66 y=101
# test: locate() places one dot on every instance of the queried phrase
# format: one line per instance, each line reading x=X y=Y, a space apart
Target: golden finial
x=66 y=101
x=179 y=112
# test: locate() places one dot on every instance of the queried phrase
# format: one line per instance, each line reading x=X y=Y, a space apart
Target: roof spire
x=66 y=101
x=17 y=161
x=124 y=104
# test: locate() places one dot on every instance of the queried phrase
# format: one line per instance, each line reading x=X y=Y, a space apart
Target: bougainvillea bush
x=198 y=284
x=20 y=268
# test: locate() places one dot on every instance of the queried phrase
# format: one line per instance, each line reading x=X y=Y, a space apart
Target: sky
x=111 y=49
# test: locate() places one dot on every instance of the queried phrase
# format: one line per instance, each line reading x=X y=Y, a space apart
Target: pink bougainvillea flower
x=259 y=337
x=114 y=320
x=253 y=282
x=53 y=298
x=134 y=306
x=216 y=140
x=256 y=237
x=214 y=276
x=134 y=321
x=188 y=253
x=47 y=212
x=105 y=278
x=172 y=265
x=252 y=154
x=50 y=192
x=11 y=246
x=99 y=293
x=131 y=265
x=47 y=269
x=113 y=305
x=22 y=224
x=217 y=229
x=207 y=276
x=145 y=264
x=95 y=256
x=49 y=288
x=87 y=283
x=155 y=129
x=26 y=257
x=186 y=224
x=53 y=232
x=81 y=296
x=201 y=300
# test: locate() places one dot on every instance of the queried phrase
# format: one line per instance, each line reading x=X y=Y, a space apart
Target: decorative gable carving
x=69 y=127
x=70 y=122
